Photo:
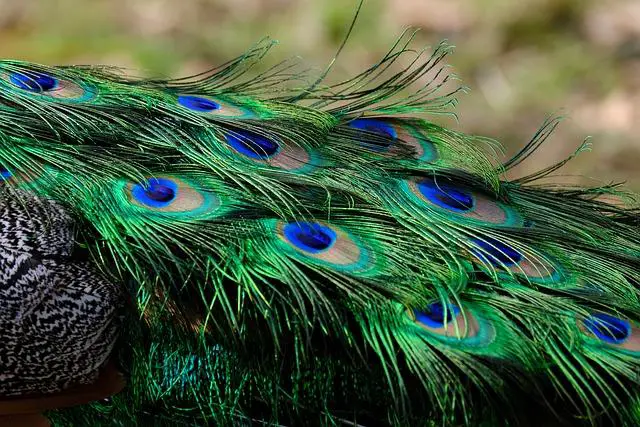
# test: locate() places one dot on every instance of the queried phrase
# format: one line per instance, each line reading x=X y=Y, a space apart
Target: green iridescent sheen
x=230 y=321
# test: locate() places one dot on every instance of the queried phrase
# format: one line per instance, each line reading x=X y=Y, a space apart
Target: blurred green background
x=522 y=59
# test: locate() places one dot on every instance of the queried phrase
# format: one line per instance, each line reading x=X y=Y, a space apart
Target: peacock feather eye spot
x=33 y=81
x=608 y=328
x=327 y=246
x=496 y=252
x=310 y=237
x=197 y=103
x=454 y=199
x=171 y=196
x=459 y=203
x=156 y=192
x=5 y=174
x=252 y=145
x=379 y=127
x=435 y=314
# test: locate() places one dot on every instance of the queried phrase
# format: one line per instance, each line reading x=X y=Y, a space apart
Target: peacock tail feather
x=299 y=253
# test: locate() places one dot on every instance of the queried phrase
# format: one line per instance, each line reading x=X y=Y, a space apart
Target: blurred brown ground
x=522 y=59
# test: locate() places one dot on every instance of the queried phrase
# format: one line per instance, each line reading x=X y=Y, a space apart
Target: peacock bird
x=274 y=250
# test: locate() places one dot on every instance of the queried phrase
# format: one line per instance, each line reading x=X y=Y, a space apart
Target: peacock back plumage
x=299 y=253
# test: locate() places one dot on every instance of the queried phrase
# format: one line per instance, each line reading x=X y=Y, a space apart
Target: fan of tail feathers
x=301 y=253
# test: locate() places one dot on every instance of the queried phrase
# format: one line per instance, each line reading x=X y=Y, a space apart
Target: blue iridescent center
x=33 y=81
x=310 y=236
x=435 y=313
x=380 y=127
x=607 y=328
x=445 y=196
x=496 y=252
x=252 y=145
x=156 y=193
x=5 y=174
x=198 y=103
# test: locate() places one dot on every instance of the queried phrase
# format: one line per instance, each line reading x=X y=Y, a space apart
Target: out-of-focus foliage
x=523 y=59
